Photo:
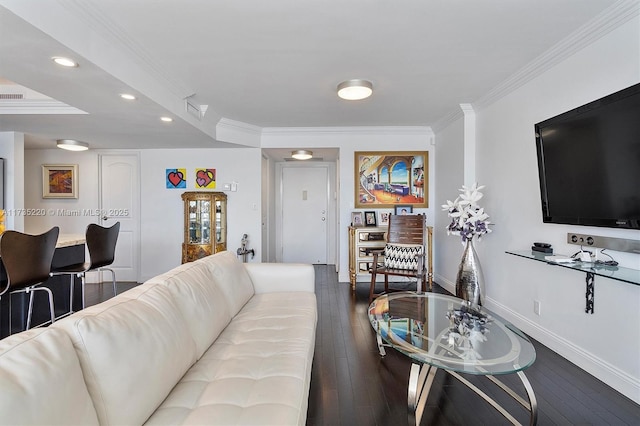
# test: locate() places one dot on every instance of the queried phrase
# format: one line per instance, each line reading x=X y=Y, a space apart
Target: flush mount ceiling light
x=166 y=119
x=354 y=90
x=127 y=96
x=72 y=145
x=65 y=62
x=301 y=154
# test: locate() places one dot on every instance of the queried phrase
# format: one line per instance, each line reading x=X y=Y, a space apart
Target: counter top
x=66 y=240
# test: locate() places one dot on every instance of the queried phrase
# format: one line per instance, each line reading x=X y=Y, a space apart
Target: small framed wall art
x=59 y=181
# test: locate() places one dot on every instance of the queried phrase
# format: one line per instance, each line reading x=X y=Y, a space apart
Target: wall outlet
x=536 y=307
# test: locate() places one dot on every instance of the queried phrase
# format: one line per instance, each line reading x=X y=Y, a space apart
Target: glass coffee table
x=442 y=332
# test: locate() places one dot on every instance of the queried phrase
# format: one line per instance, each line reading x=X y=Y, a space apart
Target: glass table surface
x=443 y=332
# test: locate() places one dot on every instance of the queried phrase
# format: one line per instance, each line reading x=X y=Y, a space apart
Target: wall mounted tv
x=589 y=163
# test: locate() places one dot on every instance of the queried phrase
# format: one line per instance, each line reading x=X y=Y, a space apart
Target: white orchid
x=468 y=219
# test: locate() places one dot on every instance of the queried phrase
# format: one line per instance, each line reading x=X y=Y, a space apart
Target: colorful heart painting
x=206 y=178
x=176 y=178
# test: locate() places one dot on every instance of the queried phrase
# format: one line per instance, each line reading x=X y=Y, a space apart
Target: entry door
x=120 y=201
x=305 y=200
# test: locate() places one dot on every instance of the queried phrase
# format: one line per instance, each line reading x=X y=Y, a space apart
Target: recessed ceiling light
x=354 y=90
x=65 y=62
x=127 y=96
x=72 y=145
x=166 y=119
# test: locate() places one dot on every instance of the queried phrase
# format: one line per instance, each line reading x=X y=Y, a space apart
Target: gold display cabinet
x=205 y=224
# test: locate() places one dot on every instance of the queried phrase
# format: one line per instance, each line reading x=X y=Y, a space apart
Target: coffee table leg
x=420 y=381
x=380 y=345
x=532 y=406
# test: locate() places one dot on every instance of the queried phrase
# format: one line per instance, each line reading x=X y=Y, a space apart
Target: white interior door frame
x=331 y=207
x=129 y=216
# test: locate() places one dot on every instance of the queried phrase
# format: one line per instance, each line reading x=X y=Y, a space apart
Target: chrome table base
x=421 y=379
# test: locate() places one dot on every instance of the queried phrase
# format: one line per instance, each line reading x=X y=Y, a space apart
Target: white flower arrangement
x=468 y=219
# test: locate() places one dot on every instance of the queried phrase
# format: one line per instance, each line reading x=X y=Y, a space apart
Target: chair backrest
x=27 y=258
x=101 y=243
x=407 y=229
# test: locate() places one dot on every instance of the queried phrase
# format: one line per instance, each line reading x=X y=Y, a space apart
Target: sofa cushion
x=132 y=352
x=200 y=300
x=232 y=278
x=42 y=381
x=257 y=372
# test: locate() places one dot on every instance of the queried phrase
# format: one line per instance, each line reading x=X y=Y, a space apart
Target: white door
x=305 y=201
x=120 y=202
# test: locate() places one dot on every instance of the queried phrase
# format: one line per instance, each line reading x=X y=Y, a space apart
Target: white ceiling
x=260 y=64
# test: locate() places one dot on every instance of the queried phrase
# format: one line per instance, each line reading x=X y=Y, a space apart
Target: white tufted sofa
x=211 y=342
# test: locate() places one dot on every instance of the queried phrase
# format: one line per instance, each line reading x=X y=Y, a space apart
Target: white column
x=469 y=144
x=12 y=150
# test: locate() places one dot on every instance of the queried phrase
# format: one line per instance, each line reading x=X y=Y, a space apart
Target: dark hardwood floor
x=352 y=385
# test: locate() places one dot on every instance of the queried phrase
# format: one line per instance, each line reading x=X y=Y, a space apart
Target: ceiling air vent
x=13 y=96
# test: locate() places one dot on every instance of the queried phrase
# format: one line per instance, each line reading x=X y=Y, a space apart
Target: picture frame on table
x=370 y=218
x=59 y=181
x=403 y=210
x=357 y=219
x=383 y=218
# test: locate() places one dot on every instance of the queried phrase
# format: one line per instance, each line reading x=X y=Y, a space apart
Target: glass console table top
x=425 y=327
x=619 y=273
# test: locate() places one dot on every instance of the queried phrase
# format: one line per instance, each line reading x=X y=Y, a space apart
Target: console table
x=591 y=269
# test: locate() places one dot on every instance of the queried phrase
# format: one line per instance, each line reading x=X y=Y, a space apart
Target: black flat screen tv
x=589 y=163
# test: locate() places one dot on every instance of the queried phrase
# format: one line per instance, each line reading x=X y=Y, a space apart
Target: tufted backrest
x=41 y=381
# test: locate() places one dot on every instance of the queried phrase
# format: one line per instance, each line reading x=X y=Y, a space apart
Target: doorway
x=305 y=213
x=120 y=202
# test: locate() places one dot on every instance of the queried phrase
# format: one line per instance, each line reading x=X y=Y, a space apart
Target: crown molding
x=612 y=18
x=448 y=119
x=355 y=130
x=226 y=123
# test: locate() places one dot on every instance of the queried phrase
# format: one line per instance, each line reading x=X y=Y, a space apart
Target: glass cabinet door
x=221 y=222
x=199 y=222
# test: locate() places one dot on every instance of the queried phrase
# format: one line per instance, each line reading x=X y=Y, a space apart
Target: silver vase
x=469 y=281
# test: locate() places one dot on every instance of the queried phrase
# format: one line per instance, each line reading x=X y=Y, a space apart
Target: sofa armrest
x=272 y=277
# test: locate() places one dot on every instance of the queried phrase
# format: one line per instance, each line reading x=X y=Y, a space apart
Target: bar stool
x=27 y=261
x=101 y=242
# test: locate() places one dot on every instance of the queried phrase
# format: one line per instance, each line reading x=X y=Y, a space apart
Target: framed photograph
x=59 y=181
x=357 y=219
x=403 y=210
x=370 y=219
x=383 y=218
x=390 y=178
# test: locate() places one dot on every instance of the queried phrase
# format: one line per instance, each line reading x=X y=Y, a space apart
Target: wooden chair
x=27 y=261
x=406 y=254
x=101 y=243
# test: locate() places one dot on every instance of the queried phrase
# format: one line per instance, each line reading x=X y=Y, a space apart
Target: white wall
x=87 y=162
x=606 y=343
x=347 y=142
x=162 y=217
x=162 y=209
